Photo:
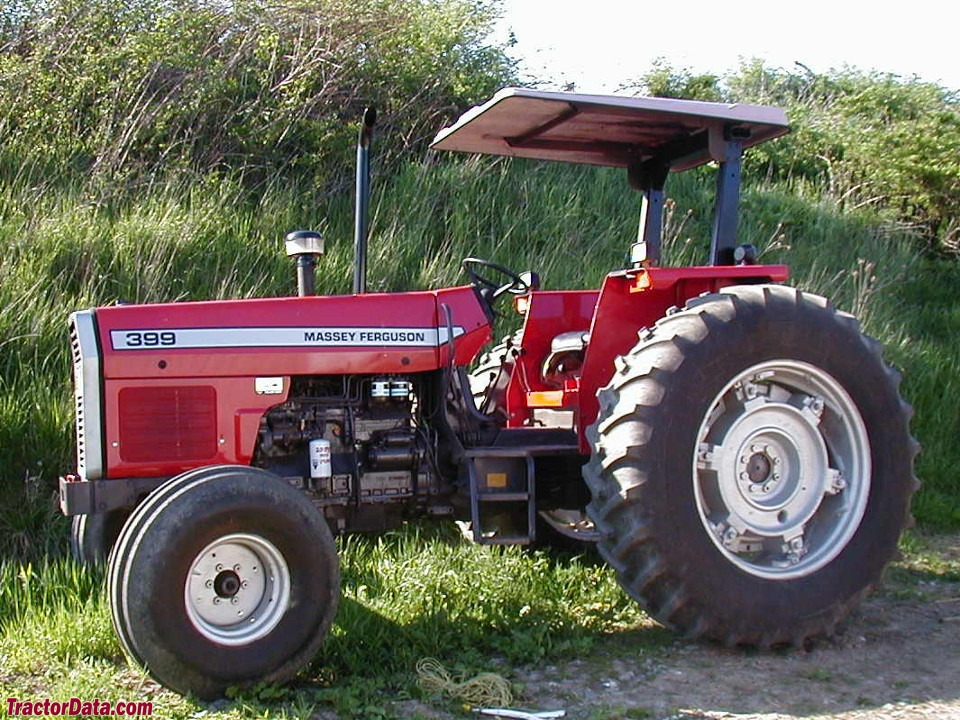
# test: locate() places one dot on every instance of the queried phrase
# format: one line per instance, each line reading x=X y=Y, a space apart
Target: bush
x=119 y=87
x=870 y=138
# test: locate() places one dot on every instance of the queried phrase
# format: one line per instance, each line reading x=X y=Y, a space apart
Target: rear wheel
x=229 y=578
x=488 y=380
x=752 y=466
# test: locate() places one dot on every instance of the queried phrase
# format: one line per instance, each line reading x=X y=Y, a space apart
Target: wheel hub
x=759 y=467
x=227 y=584
x=775 y=449
x=237 y=589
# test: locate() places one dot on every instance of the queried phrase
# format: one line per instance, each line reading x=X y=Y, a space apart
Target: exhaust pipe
x=362 y=202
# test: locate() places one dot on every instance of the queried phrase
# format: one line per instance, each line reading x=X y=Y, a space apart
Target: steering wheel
x=516 y=286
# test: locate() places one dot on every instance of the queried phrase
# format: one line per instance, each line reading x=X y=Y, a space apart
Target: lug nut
x=236 y=568
x=209 y=583
x=219 y=567
x=244 y=584
x=233 y=600
x=216 y=601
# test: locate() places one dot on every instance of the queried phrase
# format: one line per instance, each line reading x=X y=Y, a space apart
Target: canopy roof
x=608 y=129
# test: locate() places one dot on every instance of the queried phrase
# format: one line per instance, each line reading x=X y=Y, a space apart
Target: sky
x=601 y=44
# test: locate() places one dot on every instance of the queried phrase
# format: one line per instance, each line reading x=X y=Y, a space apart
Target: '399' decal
x=146 y=338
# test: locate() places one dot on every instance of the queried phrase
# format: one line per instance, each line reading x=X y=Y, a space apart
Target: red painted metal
x=187 y=415
x=135 y=378
x=566 y=398
x=628 y=301
x=237 y=422
x=549 y=314
x=466 y=313
x=633 y=299
x=157 y=376
x=369 y=311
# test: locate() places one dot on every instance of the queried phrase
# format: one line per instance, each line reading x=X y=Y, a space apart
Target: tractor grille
x=86 y=389
x=160 y=424
x=78 y=397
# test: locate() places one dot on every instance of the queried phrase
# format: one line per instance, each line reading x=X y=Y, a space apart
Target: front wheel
x=752 y=466
x=228 y=577
x=92 y=536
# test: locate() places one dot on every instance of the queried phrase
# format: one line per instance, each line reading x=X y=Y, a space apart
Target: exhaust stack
x=363 y=201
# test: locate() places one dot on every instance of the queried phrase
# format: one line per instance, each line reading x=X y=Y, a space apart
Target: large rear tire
x=752 y=467
x=489 y=378
x=226 y=576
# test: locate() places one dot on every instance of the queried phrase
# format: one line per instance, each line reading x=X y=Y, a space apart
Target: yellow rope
x=485 y=689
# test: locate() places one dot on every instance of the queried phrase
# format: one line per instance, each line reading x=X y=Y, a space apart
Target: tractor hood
x=371 y=333
x=608 y=129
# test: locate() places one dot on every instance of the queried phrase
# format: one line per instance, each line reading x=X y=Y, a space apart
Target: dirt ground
x=897 y=657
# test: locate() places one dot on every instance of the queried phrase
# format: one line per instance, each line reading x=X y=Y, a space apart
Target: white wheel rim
x=782 y=469
x=237 y=589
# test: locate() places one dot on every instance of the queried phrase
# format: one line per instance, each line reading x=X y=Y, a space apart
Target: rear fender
x=548 y=314
x=634 y=299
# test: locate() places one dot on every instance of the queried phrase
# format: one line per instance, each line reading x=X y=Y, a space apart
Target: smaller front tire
x=93 y=536
x=230 y=579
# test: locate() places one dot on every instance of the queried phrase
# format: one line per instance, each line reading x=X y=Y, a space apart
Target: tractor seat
x=574 y=341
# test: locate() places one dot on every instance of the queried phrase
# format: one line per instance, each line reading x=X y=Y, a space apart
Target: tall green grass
x=66 y=246
x=406 y=595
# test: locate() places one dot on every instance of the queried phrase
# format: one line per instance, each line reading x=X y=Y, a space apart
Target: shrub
x=119 y=87
x=870 y=138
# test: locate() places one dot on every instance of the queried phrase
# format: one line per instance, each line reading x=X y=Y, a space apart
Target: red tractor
x=738 y=449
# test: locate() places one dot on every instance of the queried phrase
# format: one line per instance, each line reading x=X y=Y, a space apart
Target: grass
x=418 y=592
x=67 y=245
x=406 y=595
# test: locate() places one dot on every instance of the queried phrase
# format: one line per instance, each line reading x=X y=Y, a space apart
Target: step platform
x=502 y=487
